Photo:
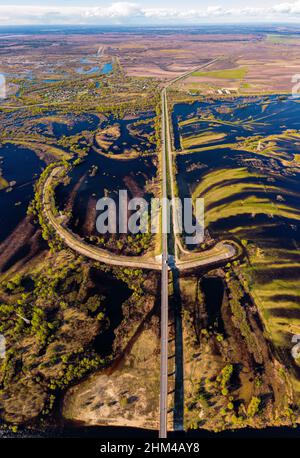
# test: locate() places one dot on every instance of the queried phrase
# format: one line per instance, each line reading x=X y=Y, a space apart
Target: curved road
x=220 y=252
x=73 y=241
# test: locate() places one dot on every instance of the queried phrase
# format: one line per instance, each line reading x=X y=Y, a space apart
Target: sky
x=147 y=12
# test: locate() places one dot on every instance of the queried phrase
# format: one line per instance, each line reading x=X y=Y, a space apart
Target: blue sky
x=161 y=12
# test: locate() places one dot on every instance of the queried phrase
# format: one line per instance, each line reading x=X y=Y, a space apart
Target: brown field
x=270 y=64
x=270 y=68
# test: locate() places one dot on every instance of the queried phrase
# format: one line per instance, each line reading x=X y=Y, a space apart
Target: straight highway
x=168 y=192
x=223 y=250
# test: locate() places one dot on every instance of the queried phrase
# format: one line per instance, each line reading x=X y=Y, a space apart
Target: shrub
x=253 y=406
x=123 y=402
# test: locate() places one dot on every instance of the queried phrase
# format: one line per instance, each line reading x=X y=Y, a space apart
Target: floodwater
x=69 y=430
x=245 y=117
x=270 y=180
x=74 y=125
x=111 y=175
x=22 y=166
x=107 y=68
x=213 y=290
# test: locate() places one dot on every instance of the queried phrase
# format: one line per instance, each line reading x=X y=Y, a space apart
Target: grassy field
x=283 y=39
x=283 y=146
x=252 y=205
x=240 y=188
x=273 y=278
x=219 y=178
x=212 y=119
x=231 y=73
x=41 y=148
x=234 y=191
x=272 y=271
x=3 y=183
x=192 y=141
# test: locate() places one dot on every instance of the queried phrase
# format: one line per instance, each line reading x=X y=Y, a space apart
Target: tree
x=253 y=406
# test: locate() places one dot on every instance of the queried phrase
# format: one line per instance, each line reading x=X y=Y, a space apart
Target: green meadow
x=231 y=73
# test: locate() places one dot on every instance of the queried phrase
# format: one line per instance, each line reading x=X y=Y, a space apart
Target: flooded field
x=242 y=156
x=256 y=158
x=122 y=157
x=113 y=153
x=61 y=71
x=119 y=154
x=233 y=118
x=82 y=119
x=20 y=167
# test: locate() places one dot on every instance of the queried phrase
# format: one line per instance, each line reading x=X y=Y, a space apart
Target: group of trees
x=239 y=315
x=75 y=143
x=75 y=365
x=45 y=195
x=37 y=309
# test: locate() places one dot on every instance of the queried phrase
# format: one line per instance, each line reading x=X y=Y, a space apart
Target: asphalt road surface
x=225 y=250
x=164 y=289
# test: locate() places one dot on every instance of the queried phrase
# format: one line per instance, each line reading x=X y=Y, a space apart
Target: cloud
x=287 y=8
x=124 y=12
x=119 y=10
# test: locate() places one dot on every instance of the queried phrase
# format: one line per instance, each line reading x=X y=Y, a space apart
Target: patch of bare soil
x=127 y=396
